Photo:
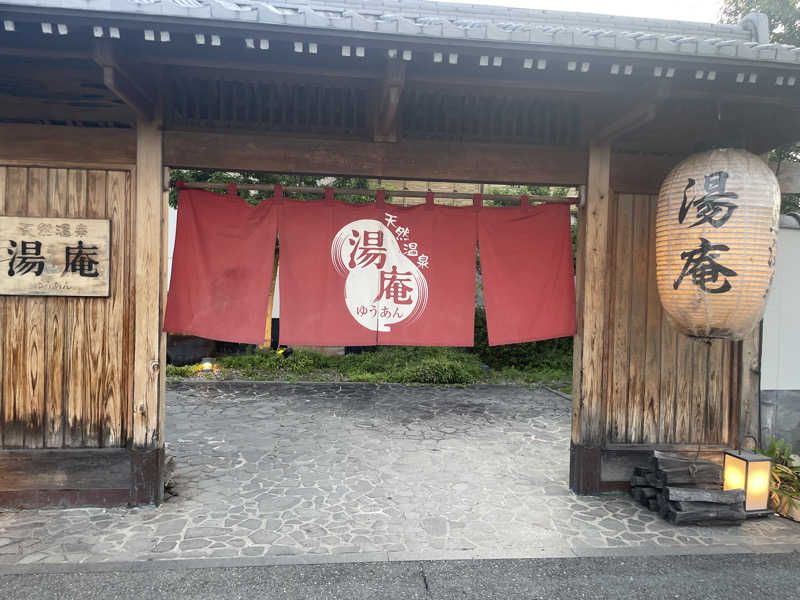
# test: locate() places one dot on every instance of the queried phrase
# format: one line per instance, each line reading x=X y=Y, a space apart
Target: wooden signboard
x=54 y=256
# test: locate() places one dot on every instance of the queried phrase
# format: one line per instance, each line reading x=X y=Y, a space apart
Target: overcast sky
x=706 y=11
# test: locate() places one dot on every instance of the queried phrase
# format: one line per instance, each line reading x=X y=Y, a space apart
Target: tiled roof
x=746 y=41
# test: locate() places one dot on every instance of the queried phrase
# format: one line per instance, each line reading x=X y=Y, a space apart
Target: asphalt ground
x=709 y=577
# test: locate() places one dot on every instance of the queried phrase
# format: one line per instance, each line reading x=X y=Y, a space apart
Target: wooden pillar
x=749 y=422
x=588 y=375
x=149 y=359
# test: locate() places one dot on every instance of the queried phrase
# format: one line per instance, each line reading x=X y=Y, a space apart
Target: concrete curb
x=391 y=557
x=246 y=382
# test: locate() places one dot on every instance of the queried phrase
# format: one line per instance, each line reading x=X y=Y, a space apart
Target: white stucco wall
x=780 y=354
x=172 y=221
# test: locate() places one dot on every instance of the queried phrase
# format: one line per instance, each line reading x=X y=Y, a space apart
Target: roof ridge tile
x=473 y=21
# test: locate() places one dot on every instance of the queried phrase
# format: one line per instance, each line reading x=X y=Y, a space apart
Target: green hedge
x=536 y=362
x=554 y=354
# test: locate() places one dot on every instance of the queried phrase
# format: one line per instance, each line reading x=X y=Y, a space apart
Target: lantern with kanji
x=716 y=229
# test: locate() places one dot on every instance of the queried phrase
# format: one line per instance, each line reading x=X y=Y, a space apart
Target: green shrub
x=442 y=370
x=258 y=364
x=405 y=364
x=303 y=363
x=548 y=354
x=540 y=362
x=362 y=376
x=184 y=371
x=785 y=480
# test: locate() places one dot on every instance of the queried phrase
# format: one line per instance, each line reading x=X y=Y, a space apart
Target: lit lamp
x=750 y=472
x=208 y=365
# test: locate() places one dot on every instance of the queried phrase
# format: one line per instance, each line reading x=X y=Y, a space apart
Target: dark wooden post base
x=584 y=469
x=69 y=478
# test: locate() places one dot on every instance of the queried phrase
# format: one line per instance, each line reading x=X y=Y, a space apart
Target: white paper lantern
x=716 y=229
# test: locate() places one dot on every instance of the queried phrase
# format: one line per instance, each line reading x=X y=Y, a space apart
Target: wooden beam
x=389 y=101
x=431 y=161
x=489 y=84
x=637 y=115
x=631 y=121
x=196 y=64
x=128 y=92
x=482 y=81
x=640 y=173
x=119 y=80
x=54 y=145
x=78 y=146
x=48 y=53
x=148 y=349
x=415 y=160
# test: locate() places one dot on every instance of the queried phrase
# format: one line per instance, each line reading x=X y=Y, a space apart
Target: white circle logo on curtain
x=384 y=269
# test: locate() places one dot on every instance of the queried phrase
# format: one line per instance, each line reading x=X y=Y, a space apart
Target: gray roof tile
x=459 y=21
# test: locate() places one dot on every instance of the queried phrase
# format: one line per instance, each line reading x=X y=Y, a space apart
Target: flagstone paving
x=311 y=472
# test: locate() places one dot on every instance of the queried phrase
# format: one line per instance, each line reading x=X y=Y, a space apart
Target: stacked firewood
x=686 y=490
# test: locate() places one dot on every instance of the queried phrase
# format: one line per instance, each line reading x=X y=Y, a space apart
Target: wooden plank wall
x=65 y=361
x=662 y=387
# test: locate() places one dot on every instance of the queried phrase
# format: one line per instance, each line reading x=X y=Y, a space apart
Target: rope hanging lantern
x=716 y=228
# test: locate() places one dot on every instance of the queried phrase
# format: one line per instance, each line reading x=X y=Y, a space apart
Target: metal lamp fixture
x=716 y=229
x=208 y=365
x=751 y=472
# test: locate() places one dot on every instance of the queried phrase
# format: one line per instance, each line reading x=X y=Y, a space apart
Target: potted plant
x=785 y=485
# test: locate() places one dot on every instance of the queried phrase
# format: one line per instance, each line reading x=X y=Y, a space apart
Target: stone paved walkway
x=320 y=472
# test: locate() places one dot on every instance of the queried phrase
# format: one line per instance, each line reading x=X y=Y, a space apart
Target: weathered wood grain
x=713 y=424
x=33 y=414
x=406 y=159
x=162 y=352
x=749 y=388
x=15 y=385
x=410 y=159
x=619 y=359
x=652 y=362
x=595 y=296
x=60 y=469
x=577 y=341
x=96 y=329
x=130 y=311
x=76 y=343
x=669 y=366
x=63 y=376
x=736 y=387
x=732 y=514
x=55 y=315
x=148 y=236
x=670 y=459
x=640 y=257
x=662 y=388
x=683 y=389
x=726 y=392
x=681 y=494
x=62 y=146
x=698 y=390
x=114 y=348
